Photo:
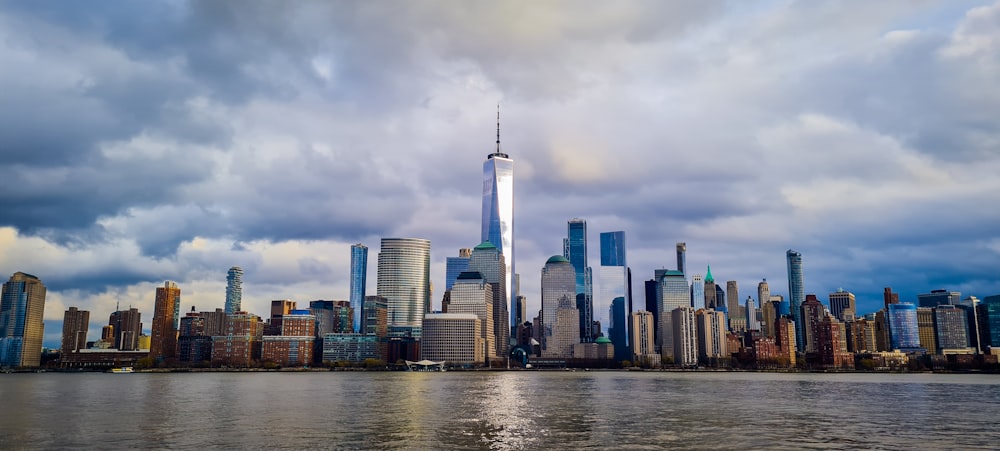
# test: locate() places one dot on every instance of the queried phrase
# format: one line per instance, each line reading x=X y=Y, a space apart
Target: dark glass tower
x=359 y=277
x=796 y=293
x=575 y=250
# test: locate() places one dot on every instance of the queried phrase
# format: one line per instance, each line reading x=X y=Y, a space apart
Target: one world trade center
x=498 y=212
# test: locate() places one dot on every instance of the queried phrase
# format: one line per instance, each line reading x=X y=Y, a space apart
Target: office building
x=163 y=337
x=784 y=338
x=239 y=344
x=763 y=293
x=733 y=306
x=351 y=347
x=752 y=323
x=487 y=260
x=862 y=336
x=472 y=294
x=614 y=286
x=831 y=343
x=279 y=308
x=359 y=281
x=904 y=333
x=673 y=292
x=939 y=297
x=769 y=317
x=697 y=293
x=925 y=329
x=651 y=288
x=558 y=287
x=234 y=290
x=685 y=336
x=575 y=250
x=952 y=328
x=889 y=297
x=193 y=344
x=843 y=305
x=454 y=338
x=456 y=265
x=711 y=295
x=404 y=281
x=988 y=314
x=498 y=210
x=796 y=294
x=295 y=345
x=618 y=323
x=76 y=322
x=127 y=328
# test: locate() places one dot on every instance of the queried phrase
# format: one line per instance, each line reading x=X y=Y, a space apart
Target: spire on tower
x=498 y=128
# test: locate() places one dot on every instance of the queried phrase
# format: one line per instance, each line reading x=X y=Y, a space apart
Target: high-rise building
x=643 y=341
x=193 y=345
x=711 y=327
x=784 y=337
x=487 y=260
x=711 y=299
x=376 y=324
x=127 y=328
x=239 y=343
x=843 y=305
x=682 y=258
x=685 y=336
x=618 y=323
x=751 y=315
x=498 y=209
x=904 y=333
x=925 y=329
x=763 y=293
x=558 y=292
x=473 y=294
x=614 y=285
x=952 y=327
x=359 y=279
x=812 y=313
x=697 y=293
x=456 y=265
x=733 y=300
x=988 y=314
x=672 y=293
x=404 y=281
x=22 y=304
x=75 y=325
x=163 y=337
x=575 y=250
x=651 y=287
x=234 y=290
x=796 y=295
x=769 y=317
x=939 y=297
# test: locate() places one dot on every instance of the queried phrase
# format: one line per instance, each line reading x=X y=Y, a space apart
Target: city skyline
x=173 y=165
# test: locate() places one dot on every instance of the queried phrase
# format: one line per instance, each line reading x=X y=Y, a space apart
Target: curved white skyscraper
x=498 y=211
x=404 y=281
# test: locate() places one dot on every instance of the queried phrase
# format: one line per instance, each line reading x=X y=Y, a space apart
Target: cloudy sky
x=171 y=140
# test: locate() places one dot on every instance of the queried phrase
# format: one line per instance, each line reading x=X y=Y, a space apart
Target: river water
x=499 y=410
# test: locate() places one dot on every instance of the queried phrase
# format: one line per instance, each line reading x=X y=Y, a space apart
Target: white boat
x=123 y=370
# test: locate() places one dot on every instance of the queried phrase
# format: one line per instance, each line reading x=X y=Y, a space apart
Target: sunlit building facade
x=163 y=336
x=404 y=281
x=498 y=209
x=904 y=332
x=614 y=285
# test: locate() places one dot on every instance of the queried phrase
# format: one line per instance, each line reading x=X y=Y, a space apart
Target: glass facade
x=487 y=260
x=672 y=292
x=613 y=284
x=796 y=294
x=558 y=287
x=989 y=318
x=575 y=250
x=21 y=308
x=404 y=281
x=359 y=278
x=682 y=258
x=234 y=290
x=697 y=292
x=952 y=327
x=453 y=267
x=498 y=211
x=904 y=332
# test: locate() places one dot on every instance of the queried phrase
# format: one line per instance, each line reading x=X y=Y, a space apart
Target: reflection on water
x=498 y=410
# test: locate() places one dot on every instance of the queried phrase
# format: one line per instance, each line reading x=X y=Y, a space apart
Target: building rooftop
x=557 y=259
x=485 y=245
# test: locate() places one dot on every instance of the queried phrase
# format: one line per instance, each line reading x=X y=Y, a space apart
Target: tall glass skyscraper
x=796 y=294
x=672 y=292
x=614 y=282
x=498 y=209
x=575 y=250
x=904 y=332
x=234 y=290
x=22 y=305
x=487 y=260
x=697 y=295
x=359 y=278
x=404 y=266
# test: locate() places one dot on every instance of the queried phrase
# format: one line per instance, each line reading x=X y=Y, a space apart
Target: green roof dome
x=556 y=259
x=603 y=341
x=708 y=277
x=485 y=245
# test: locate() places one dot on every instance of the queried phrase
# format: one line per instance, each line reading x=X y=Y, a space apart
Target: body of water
x=499 y=410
